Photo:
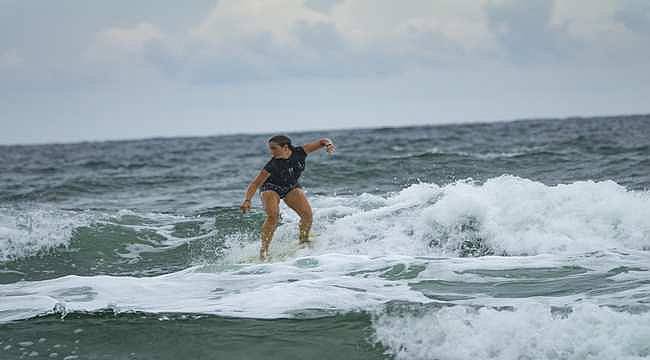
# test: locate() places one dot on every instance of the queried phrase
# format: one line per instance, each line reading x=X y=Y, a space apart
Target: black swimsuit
x=285 y=172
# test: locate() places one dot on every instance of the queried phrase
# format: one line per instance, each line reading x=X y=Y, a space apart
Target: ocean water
x=515 y=240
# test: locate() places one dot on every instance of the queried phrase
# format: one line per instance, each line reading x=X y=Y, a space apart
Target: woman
x=279 y=180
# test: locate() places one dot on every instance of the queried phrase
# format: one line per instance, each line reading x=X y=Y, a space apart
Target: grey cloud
x=321 y=52
x=254 y=58
x=320 y=36
x=635 y=15
x=523 y=28
x=161 y=56
x=433 y=48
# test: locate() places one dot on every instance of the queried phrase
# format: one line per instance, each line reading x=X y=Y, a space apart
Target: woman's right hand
x=245 y=206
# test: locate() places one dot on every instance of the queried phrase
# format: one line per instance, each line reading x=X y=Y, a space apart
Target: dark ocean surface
x=513 y=240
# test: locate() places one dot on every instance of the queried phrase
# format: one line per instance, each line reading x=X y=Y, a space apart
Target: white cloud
x=601 y=30
x=131 y=38
x=323 y=6
x=375 y=21
x=124 y=44
x=140 y=53
x=590 y=21
x=235 y=20
x=252 y=39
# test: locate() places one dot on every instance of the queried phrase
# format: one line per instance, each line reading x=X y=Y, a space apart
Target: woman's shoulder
x=300 y=150
x=269 y=166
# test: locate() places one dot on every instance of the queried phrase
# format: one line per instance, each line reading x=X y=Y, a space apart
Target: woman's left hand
x=329 y=146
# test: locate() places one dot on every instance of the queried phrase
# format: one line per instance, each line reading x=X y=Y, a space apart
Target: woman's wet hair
x=281 y=140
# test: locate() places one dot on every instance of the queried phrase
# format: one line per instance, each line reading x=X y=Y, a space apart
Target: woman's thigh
x=271 y=202
x=297 y=200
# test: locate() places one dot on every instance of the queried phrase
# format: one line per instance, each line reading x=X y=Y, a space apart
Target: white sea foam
x=26 y=231
x=507 y=215
x=30 y=230
x=162 y=224
x=263 y=291
x=323 y=284
x=531 y=331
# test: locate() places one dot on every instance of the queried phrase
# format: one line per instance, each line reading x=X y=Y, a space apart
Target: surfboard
x=283 y=251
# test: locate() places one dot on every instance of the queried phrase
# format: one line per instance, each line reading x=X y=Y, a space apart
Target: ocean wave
x=506 y=215
x=288 y=289
x=530 y=331
x=323 y=285
x=26 y=230
x=41 y=229
x=518 y=152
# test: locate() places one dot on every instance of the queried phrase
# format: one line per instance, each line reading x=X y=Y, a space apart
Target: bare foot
x=305 y=243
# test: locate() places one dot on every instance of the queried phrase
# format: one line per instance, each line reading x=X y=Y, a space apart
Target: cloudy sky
x=74 y=70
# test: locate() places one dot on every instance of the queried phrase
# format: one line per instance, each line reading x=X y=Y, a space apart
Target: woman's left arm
x=324 y=142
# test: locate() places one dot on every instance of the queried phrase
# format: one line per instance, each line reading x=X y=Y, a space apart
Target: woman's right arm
x=252 y=188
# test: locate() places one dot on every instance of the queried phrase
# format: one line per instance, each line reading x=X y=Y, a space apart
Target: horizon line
x=301 y=131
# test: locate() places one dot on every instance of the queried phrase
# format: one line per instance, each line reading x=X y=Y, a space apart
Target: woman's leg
x=297 y=201
x=271 y=201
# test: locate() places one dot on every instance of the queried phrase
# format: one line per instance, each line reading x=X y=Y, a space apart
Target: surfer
x=279 y=180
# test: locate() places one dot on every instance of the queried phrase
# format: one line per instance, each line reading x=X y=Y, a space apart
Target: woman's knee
x=272 y=217
x=307 y=217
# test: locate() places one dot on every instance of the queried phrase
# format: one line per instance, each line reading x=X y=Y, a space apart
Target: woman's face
x=277 y=150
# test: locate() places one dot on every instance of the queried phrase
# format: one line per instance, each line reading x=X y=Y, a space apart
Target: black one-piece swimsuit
x=285 y=172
